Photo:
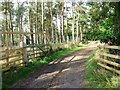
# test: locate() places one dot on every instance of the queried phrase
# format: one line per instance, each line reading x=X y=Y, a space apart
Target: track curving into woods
x=66 y=72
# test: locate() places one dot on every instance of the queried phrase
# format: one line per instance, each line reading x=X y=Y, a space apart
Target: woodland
x=52 y=29
x=58 y=22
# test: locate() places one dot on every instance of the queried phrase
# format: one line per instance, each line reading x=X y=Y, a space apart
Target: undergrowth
x=98 y=77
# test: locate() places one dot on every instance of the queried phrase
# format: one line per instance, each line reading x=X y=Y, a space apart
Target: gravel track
x=66 y=72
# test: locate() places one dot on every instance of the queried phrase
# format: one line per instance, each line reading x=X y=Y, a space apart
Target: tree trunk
x=67 y=37
x=58 y=25
x=73 y=21
x=43 y=32
x=36 y=22
x=30 y=25
x=19 y=26
x=11 y=27
x=56 y=36
x=62 y=31
x=77 y=31
x=52 y=36
x=81 y=35
x=73 y=37
x=7 y=26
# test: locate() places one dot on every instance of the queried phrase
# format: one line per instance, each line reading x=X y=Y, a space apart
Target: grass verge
x=97 y=77
x=11 y=77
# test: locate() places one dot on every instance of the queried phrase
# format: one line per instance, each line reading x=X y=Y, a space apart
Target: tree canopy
x=58 y=22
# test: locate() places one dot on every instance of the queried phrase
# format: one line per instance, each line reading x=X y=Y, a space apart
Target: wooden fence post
x=25 y=59
x=104 y=51
x=98 y=53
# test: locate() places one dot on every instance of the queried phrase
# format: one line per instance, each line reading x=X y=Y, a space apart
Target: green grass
x=11 y=77
x=97 y=77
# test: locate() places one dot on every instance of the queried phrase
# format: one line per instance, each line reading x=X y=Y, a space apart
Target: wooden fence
x=18 y=57
x=21 y=56
x=11 y=57
x=108 y=61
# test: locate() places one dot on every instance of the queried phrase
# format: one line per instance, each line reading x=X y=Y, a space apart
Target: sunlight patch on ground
x=67 y=59
x=50 y=75
x=52 y=62
x=64 y=70
x=80 y=57
x=77 y=58
x=47 y=75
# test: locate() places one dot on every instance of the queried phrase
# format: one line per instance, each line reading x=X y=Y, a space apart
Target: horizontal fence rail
x=11 y=57
x=107 y=60
x=18 y=57
x=110 y=55
x=109 y=68
x=112 y=47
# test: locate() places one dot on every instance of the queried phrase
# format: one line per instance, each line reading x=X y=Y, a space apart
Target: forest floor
x=66 y=72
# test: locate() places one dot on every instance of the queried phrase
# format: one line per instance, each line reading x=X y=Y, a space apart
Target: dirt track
x=66 y=72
